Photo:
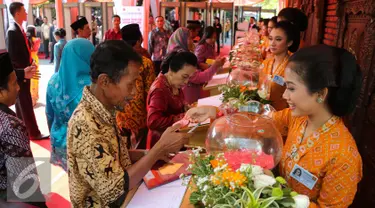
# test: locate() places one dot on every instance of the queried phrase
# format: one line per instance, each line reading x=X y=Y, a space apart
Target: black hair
x=208 y=33
x=4 y=83
x=295 y=16
x=217 y=18
x=175 y=61
x=253 y=18
x=336 y=69
x=273 y=20
x=295 y=171
x=193 y=26
x=112 y=58
x=292 y=34
x=265 y=22
x=116 y=16
x=60 y=32
x=158 y=17
x=15 y=7
x=30 y=34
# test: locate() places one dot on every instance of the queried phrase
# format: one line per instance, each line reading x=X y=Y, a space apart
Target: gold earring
x=319 y=100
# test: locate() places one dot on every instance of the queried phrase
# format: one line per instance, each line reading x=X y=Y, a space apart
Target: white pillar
x=2 y=28
x=105 y=18
x=48 y=13
x=30 y=19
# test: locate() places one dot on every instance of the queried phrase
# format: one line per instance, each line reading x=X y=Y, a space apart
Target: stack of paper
x=219 y=79
x=167 y=196
x=212 y=100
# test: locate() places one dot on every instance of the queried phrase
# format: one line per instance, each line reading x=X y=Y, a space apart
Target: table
x=198 y=139
x=185 y=203
x=214 y=84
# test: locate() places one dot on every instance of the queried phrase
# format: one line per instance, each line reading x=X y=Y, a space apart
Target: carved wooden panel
x=356 y=32
x=314 y=10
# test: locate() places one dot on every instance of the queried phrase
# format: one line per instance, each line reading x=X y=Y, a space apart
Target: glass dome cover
x=245 y=137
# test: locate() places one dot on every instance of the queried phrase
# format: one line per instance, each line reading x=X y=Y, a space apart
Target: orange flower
x=243 y=88
x=214 y=163
x=229 y=179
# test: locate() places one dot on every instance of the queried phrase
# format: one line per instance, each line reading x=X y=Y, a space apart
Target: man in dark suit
x=253 y=24
x=19 y=52
x=52 y=39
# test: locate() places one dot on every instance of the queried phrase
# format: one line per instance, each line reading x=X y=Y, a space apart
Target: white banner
x=130 y=15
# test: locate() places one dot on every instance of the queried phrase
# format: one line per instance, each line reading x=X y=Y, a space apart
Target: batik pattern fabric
x=97 y=156
x=158 y=43
x=134 y=116
x=34 y=83
x=329 y=153
x=275 y=90
x=15 y=155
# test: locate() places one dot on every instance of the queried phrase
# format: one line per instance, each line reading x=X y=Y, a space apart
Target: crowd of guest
x=111 y=108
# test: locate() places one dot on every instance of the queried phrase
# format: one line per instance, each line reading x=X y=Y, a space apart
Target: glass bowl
x=245 y=137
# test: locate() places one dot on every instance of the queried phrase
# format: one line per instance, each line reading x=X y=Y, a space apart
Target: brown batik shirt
x=97 y=156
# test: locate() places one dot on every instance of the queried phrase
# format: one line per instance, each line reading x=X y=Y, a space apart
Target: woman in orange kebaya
x=266 y=52
x=320 y=157
x=296 y=17
x=284 y=37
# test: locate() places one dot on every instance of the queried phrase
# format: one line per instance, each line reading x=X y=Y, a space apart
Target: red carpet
x=54 y=200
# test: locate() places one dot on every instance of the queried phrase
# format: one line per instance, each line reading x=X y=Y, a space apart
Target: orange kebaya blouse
x=275 y=90
x=330 y=154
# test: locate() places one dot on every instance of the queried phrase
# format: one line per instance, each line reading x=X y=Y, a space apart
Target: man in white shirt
x=45 y=36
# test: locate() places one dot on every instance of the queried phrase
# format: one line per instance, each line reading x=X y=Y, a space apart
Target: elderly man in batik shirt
x=99 y=163
x=15 y=152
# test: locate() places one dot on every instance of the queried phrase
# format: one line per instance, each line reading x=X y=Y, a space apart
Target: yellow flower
x=229 y=179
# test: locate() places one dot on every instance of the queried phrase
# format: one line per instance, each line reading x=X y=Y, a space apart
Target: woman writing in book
x=165 y=102
x=284 y=37
x=323 y=85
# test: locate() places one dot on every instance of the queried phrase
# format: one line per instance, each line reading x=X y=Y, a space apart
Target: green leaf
x=281 y=180
x=287 y=202
x=252 y=202
x=287 y=191
x=276 y=205
x=293 y=194
x=257 y=193
x=277 y=192
x=195 y=197
x=267 y=202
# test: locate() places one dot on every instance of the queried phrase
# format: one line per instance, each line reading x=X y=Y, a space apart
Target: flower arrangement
x=217 y=184
x=242 y=94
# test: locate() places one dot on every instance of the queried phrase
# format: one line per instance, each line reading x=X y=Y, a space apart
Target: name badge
x=279 y=80
x=303 y=176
